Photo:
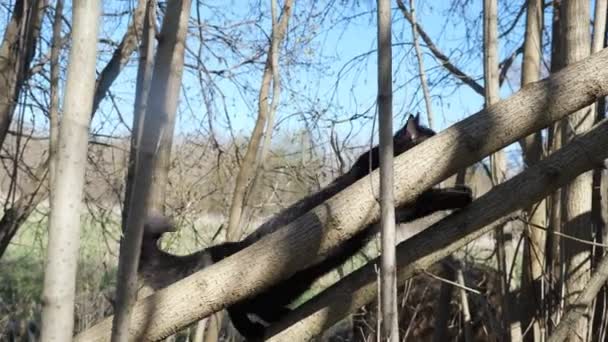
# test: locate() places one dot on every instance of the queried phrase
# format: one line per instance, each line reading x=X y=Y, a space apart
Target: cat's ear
x=412 y=125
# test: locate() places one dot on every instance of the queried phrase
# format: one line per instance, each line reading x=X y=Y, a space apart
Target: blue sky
x=342 y=86
x=357 y=90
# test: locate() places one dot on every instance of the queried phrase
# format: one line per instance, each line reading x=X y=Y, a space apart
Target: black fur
x=251 y=315
x=407 y=137
x=272 y=304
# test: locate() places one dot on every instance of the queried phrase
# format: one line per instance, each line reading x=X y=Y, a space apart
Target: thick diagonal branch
x=317 y=233
x=450 y=234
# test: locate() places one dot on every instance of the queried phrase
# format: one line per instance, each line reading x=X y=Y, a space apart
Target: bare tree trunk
x=142 y=90
x=248 y=165
x=276 y=94
x=314 y=234
x=577 y=195
x=160 y=174
x=64 y=222
x=213 y=327
x=54 y=110
x=446 y=289
x=16 y=53
x=497 y=160
x=162 y=105
x=14 y=216
x=571 y=321
x=388 y=276
x=532 y=147
x=421 y=71
x=447 y=236
x=599 y=202
x=199 y=330
x=553 y=250
x=599 y=25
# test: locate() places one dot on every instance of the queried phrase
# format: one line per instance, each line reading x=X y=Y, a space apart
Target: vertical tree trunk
x=553 y=265
x=599 y=202
x=497 y=160
x=162 y=105
x=35 y=193
x=248 y=165
x=64 y=223
x=54 y=110
x=534 y=244
x=276 y=94
x=442 y=307
x=577 y=195
x=388 y=292
x=144 y=80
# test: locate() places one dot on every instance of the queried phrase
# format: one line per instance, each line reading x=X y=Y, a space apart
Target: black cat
x=252 y=316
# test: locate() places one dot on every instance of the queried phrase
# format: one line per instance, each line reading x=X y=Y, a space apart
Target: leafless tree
x=64 y=224
x=157 y=129
x=248 y=165
x=389 y=317
x=577 y=195
x=498 y=159
x=17 y=51
x=142 y=90
x=576 y=87
x=532 y=148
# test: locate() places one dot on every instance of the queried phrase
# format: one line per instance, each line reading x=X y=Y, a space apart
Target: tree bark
x=13 y=217
x=142 y=90
x=276 y=95
x=64 y=222
x=599 y=25
x=570 y=322
x=553 y=248
x=316 y=233
x=448 y=235
x=162 y=102
x=511 y=331
x=54 y=110
x=16 y=52
x=248 y=165
x=577 y=195
x=442 y=307
x=599 y=202
x=532 y=148
x=388 y=270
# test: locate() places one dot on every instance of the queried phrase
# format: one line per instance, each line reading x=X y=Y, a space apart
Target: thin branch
x=445 y=61
x=453 y=283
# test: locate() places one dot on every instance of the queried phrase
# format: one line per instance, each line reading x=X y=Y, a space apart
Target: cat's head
x=412 y=134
